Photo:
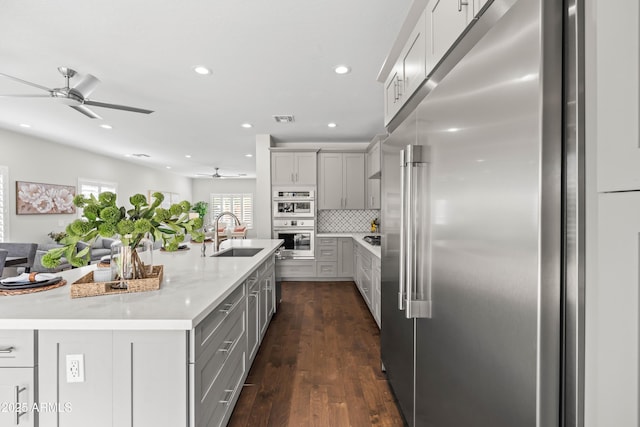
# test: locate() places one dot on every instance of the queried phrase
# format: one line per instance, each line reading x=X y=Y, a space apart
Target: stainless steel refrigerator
x=479 y=323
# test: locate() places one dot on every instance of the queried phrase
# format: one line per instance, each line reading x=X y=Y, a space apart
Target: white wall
x=203 y=187
x=38 y=160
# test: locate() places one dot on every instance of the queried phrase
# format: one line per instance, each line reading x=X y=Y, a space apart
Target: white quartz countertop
x=358 y=238
x=192 y=287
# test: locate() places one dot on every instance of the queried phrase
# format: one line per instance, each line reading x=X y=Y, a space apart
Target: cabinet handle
x=297 y=179
x=227 y=398
x=254 y=294
x=398 y=85
x=227 y=346
x=7 y=350
x=462 y=3
x=19 y=390
x=227 y=309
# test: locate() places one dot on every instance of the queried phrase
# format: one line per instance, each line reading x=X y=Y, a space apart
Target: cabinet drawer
x=218 y=400
x=208 y=328
x=216 y=356
x=327 y=253
x=17 y=396
x=327 y=241
x=327 y=269
x=17 y=348
x=296 y=268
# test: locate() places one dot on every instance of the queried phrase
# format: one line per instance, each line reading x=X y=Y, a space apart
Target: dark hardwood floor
x=319 y=364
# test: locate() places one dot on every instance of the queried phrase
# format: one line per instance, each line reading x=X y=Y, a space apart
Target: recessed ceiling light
x=202 y=70
x=342 y=69
x=106 y=126
x=168 y=167
x=188 y=156
x=247 y=125
x=248 y=155
x=453 y=129
x=332 y=125
x=24 y=125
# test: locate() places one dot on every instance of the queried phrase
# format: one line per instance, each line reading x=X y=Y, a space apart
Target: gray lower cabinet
x=132 y=378
x=253 y=316
x=18 y=370
x=141 y=378
x=334 y=257
x=220 y=361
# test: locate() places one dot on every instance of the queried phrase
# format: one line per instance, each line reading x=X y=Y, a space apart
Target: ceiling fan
x=217 y=175
x=77 y=96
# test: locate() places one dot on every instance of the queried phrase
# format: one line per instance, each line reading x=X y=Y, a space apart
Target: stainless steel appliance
x=298 y=236
x=476 y=323
x=290 y=203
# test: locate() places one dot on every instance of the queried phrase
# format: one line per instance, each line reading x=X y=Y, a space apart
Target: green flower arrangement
x=102 y=217
x=201 y=208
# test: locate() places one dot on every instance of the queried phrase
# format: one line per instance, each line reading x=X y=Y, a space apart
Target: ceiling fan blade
x=117 y=107
x=25 y=96
x=87 y=85
x=86 y=111
x=25 y=82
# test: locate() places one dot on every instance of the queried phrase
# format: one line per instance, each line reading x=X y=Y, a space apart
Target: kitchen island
x=177 y=356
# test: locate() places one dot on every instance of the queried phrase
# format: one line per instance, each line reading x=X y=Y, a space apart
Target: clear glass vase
x=121 y=264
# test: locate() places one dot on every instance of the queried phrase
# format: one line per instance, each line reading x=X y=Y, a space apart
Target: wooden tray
x=86 y=287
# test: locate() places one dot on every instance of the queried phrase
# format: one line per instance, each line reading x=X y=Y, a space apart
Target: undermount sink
x=238 y=252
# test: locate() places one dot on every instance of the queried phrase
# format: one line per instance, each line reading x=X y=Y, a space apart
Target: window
x=4 y=203
x=87 y=187
x=240 y=204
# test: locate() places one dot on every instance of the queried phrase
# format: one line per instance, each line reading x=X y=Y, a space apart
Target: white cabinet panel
x=618 y=94
x=414 y=59
x=353 y=188
x=293 y=168
x=345 y=257
x=330 y=183
x=614 y=300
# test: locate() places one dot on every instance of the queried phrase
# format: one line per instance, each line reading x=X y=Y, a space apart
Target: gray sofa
x=99 y=248
x=37 y=263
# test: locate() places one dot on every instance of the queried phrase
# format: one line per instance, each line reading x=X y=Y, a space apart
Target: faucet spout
x=216 y=239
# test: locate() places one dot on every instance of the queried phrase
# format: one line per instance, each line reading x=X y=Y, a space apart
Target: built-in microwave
x=294 y=203
x=288 y=208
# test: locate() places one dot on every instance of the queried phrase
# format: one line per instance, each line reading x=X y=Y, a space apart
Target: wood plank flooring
x=319 y=364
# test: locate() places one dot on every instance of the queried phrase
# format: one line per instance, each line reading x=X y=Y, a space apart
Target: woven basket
x=86 y=287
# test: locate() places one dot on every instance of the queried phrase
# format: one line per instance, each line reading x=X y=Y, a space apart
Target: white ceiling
x=267 y=57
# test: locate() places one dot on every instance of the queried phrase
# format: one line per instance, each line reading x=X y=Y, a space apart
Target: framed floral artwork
x=37 y=198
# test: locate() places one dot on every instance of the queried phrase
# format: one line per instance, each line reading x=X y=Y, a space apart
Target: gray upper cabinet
x=408 y=73
x=293 y=168
x=446 y=19
x=341 y=181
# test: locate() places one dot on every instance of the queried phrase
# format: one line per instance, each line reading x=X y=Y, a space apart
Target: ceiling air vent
x=283 y=119
x=140 y=155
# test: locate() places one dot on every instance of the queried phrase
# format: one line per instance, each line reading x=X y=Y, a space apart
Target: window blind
x=240 y=204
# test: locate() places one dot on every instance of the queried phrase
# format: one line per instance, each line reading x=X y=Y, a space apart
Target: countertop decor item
x=102 y=217
x=201 y=208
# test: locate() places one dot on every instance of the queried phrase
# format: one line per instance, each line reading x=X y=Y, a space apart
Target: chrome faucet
x=216 y=239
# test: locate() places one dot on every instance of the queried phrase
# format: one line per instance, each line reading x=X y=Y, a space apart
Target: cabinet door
x=269 y=295
x=373 y=161
x=392 y=95
x=17 y=396
x=373 y=194
x=345 y=257
x=446 y=19
x=614 y=303
x=150 y=378
x=353 y=189
x=253 y=327
x=305 y=168
x=282 y=168
x=414 y=59
x=91 y=400
x=330 y=181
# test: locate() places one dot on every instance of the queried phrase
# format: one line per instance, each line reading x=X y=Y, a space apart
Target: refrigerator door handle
x=403 y=254
x=416 y=204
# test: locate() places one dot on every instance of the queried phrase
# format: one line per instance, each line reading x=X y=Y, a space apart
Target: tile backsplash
x=353 y=221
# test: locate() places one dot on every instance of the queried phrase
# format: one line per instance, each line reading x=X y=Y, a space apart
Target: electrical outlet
x=75 y=368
